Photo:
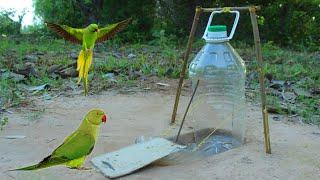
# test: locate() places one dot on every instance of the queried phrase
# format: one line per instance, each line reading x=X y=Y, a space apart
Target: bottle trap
x=162 y=151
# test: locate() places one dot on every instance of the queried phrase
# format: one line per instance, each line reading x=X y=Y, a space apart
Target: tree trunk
x=91 y=11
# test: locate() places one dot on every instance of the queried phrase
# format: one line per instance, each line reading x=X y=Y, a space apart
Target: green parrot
x=87 y=37
x=77 y=146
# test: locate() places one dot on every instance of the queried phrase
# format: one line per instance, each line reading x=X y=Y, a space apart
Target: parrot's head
x=93 y=28
x=96 y=116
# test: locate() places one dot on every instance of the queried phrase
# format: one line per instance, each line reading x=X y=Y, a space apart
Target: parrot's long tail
x=46 y=162
x=83 y=65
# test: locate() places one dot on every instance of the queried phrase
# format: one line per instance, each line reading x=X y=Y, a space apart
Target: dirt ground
x=295 y=146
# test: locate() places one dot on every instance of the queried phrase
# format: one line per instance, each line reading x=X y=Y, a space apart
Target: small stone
x=31 y=58
x=68 y=72
x=276 y=84
x=54 y=68
x=15 y=137
x=135 y=74
x=74 y=55
x=28 y=69
x=16 y=77
x=315 y=91
x=302 y=92
x=163 y=84
x=276 y=118
x=131 y=55
x=108 y=75
x=289 y=96
x=117 y=55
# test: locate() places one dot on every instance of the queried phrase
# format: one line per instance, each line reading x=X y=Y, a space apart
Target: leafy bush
x=285 y=22
x=79 y=13
x=7 y=25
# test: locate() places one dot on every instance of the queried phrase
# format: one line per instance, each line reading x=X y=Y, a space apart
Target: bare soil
x=295 y=146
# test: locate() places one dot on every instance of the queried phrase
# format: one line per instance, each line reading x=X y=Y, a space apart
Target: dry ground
x=295 y=146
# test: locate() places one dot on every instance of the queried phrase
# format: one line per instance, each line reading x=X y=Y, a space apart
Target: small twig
x=185 y=113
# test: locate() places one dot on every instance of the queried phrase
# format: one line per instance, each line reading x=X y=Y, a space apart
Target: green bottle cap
x=217 y=28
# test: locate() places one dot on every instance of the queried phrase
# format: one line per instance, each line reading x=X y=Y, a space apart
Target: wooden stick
x=230 y=8
x=185 y=62
x=185 y=113
x=261 y=79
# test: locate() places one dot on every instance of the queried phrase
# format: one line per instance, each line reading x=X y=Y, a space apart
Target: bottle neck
x=216 y=37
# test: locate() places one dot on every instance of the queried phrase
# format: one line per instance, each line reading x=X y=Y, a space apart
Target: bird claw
x=80 y=168
x=84 y=168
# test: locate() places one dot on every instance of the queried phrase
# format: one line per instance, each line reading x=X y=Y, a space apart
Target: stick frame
x=258 y=52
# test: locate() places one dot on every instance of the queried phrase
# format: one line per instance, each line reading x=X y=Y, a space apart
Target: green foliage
x=293 y=22
x=3 y=122
x=9 y=92
x=61 y=12
x=142 y=12
x=78 y=13
x=296 y=68
x=7 y=25
x=285 y=22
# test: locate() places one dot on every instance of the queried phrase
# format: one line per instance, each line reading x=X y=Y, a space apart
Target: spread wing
x=71 y=34
x=110 y=30
x=77 y=145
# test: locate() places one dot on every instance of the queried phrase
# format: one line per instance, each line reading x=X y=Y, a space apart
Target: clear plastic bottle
x=220 y=98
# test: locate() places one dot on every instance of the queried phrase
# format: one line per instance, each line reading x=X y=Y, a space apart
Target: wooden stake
x=185 y=62
x=185 y=113
x=261 y=78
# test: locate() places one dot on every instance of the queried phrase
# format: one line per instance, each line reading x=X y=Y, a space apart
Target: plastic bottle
x=220 y=98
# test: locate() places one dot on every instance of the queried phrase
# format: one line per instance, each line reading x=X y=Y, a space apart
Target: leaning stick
x=185 y=113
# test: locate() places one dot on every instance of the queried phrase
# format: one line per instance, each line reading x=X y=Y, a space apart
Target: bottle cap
x=217 y=32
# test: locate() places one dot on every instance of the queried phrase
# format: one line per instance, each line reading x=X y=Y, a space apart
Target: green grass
x=3 y=122
x=160 y=58
x=300 y=69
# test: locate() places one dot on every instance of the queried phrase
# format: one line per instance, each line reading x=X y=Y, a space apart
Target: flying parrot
x=77 y=146
x=87 y=37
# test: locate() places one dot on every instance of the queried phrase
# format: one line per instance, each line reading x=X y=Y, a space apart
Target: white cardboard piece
x=131 y=158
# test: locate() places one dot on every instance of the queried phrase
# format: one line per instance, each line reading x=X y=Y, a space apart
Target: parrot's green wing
x=112 y=29
x=75 y=146
x=71 y=34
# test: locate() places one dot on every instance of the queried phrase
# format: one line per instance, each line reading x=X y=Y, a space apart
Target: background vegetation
x=285 y=22
x=153 y=44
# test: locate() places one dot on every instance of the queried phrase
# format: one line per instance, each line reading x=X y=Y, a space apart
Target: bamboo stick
x=186 y=112
x=261 y=79
x=185 y=62
x=230 y=8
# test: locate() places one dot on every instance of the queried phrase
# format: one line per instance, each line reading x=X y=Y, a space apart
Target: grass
x=3 y=122
x=161 y=58
x=298 y=70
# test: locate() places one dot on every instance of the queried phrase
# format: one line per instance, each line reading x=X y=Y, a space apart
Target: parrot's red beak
x=104 y=118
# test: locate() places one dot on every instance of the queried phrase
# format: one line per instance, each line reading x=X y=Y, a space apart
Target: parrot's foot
x=80 y=168
x=84 y=168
